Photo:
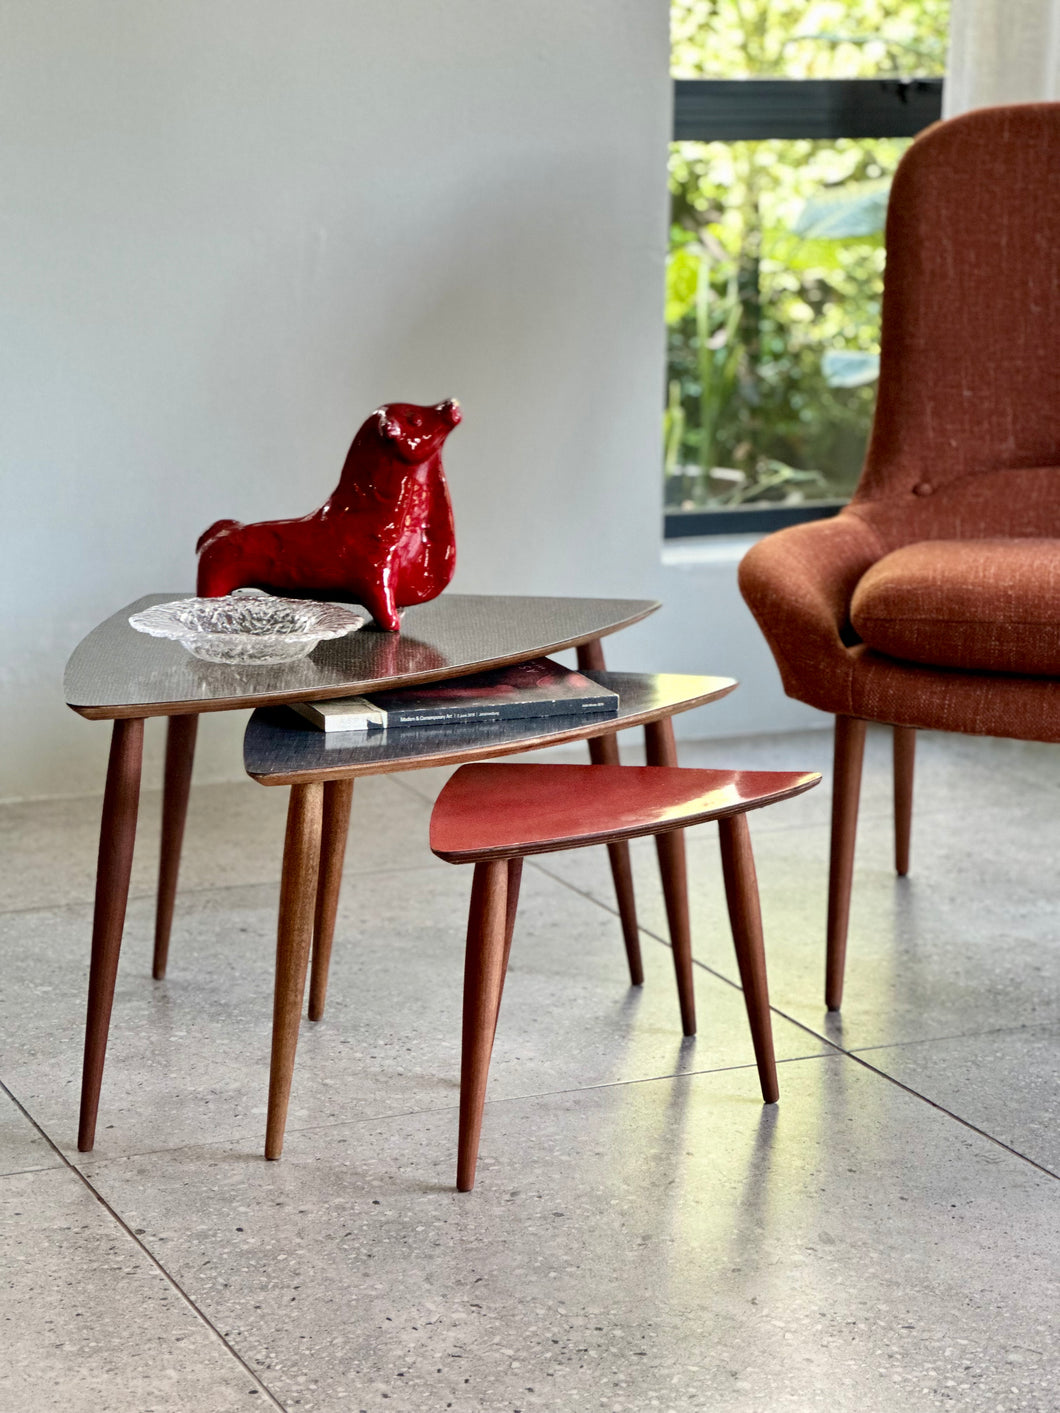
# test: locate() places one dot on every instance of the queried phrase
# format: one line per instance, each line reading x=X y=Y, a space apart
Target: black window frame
x=754 y=109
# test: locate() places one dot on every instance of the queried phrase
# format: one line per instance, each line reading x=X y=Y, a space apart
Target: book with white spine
x=540 y=687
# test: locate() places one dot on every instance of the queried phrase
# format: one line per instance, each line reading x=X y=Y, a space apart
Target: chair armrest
x=798 y=584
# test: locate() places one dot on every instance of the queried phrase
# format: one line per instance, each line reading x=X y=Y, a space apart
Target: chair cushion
x=981 y=605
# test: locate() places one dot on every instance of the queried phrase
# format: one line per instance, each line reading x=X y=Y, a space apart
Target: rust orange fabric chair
x=933 y=599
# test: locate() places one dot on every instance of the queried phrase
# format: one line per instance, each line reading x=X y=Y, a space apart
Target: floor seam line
x=576 y=1089
x=208 y=888
x=150 y=1255
x=833 y=1044
x=966 y=1123
x=589 y=897
x=23 y=1172
x=957 y=1035
x=613 y=912
x=647 y=1079
x=914 y=1093
x=396 y=777
x=454 y=1107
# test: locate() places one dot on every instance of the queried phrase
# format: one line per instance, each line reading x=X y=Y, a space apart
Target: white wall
x=232 y=227
x=1002 y=53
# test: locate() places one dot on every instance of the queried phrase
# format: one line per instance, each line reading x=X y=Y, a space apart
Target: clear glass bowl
x=247 y=627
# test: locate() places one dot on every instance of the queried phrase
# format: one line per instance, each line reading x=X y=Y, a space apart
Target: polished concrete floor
x=645 y=1235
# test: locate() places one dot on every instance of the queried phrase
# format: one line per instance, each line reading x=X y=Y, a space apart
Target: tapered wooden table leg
x=603 y=750
x=515 y=877
x=487 y=928
x=117 y=835
x=846 y=792
x=338 y=799
x=661 y=749
x=745 y=916
x=180 y=756
x=904 y=761
x=301 y=859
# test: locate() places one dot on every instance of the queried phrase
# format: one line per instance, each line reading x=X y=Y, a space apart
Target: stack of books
x=540 y=687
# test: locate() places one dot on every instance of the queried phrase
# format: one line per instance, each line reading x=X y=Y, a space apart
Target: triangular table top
x=118 y=672
x=506 y=811
x=280 y=748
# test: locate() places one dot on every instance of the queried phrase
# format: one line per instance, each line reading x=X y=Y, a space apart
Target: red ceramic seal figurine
x=384 y=538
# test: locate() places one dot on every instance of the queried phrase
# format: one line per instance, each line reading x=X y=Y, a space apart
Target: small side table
x=495 y=816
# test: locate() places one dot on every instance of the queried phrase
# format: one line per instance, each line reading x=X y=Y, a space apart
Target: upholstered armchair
x=933 y=599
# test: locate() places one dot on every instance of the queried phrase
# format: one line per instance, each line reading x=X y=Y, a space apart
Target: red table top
x=496 y=811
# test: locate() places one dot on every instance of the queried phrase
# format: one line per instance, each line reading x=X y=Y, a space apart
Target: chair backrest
x=970 y=367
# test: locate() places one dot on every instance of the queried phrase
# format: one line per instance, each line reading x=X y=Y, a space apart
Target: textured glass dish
x=247 y=627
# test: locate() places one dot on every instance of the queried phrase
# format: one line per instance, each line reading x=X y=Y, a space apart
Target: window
x=789 y=119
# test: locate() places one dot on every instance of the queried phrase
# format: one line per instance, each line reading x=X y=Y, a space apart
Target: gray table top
x=117 y=672
x=282 y=748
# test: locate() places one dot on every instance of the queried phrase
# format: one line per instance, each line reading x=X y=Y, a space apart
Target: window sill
x=707 y=549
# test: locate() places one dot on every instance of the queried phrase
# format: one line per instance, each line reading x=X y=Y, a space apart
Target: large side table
x=117 y=674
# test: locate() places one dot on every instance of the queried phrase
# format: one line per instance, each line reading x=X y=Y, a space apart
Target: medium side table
x=119 y=675
x=320 y=767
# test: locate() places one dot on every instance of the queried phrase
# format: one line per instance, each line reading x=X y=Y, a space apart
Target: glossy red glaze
x=497 y=811
x=384 y=538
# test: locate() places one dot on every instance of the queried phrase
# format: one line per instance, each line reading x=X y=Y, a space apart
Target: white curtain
x=1002 y=51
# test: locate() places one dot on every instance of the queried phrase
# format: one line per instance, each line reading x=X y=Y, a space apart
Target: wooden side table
x=282 y=749
x=495 y=816
x=118 y=675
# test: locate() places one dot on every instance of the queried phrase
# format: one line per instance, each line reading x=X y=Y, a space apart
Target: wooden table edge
x=492 y=751
x=129 y=710
x=634 y=831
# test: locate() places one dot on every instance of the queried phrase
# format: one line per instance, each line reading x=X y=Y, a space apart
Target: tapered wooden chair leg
x=180 y=757
x=338 y=799
x=603 y=750
x=846 y=792
x=904 y=761
x=487 y=929
x=301 y=857
x=662 y=750
x=745 y=916
x=117 y=834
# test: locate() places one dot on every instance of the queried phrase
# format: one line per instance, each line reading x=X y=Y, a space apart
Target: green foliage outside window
x=776 y=261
